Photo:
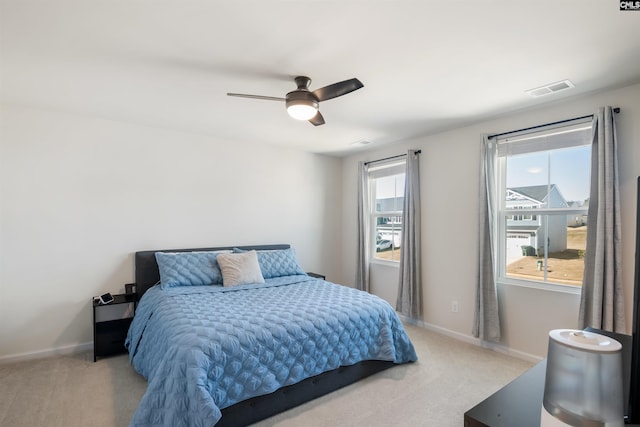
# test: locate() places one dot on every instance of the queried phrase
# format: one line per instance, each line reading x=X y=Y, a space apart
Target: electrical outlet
x=454 y=306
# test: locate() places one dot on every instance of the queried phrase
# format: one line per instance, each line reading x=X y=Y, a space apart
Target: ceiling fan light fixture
x=303 y=104
x=302 y=109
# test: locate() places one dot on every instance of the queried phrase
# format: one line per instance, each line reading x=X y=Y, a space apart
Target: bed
x=235 y=353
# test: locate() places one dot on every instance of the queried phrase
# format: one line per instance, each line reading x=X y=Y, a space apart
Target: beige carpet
x=450 y=378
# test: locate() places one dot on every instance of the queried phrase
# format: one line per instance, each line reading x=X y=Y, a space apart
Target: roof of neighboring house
x=535 y=192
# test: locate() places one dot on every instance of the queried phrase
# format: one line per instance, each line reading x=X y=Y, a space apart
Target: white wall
x=449 y=188
x=79 y=195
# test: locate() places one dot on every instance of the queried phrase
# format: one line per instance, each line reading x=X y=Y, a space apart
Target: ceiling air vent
x=360 y=143
x=550 y=88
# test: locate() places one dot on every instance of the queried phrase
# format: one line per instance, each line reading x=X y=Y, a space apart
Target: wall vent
x=550 y=88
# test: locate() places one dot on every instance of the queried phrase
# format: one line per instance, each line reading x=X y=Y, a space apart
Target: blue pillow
x=277 y=263
x=189 y=268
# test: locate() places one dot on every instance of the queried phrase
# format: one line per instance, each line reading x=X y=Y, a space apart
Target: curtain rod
x=392 y=157
x=615 y=110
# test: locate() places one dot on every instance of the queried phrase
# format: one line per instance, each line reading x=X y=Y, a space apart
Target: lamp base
x=548 y=420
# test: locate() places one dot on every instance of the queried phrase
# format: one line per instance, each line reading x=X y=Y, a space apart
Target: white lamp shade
x=301 y=111
x=583 y=383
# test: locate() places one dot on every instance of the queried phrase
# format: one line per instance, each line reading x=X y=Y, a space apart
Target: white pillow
x=240 y=269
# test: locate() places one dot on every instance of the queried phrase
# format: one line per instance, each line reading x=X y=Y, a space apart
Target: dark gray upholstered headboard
x=146 y=267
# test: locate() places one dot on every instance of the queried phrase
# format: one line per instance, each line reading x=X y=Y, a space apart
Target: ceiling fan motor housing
x=301 y=101
x=301 y=97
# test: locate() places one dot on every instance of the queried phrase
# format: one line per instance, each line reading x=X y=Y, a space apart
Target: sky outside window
x=569 y=171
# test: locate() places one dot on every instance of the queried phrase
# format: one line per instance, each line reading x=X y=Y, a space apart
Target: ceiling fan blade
x=317 y=120
x=337 y=89
x=268 y=98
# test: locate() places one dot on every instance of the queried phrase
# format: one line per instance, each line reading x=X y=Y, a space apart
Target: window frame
x=535 y=213
x=381 y=170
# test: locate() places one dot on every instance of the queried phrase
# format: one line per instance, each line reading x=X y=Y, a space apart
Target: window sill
x=385 y=262
x=553 y=287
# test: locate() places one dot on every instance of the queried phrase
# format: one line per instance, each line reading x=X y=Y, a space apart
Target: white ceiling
x=426 y=65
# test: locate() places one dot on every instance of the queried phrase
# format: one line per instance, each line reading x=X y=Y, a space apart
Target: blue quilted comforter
x=203 y=348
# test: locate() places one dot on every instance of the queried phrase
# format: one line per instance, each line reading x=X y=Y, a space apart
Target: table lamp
x=583 y=382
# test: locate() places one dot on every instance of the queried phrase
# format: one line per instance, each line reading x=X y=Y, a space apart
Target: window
x=543 y=198
x=386 y=183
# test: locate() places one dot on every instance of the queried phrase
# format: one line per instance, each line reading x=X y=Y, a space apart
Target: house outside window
x=543 y=198
x=386 y=183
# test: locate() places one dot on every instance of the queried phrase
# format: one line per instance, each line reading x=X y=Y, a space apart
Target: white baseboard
x=511 y=352
x=472 y=340
x=41 y=354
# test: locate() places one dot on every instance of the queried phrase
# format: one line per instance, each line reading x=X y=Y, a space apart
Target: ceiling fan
x=302 y=104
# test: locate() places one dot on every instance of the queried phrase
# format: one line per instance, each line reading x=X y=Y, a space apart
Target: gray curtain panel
x=409 y=300
x=362 y=267
x=486 y=325
x=602 y=302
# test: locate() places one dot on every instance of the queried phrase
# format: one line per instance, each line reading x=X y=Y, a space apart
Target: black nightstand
x=111 y=324
x=317 y=276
